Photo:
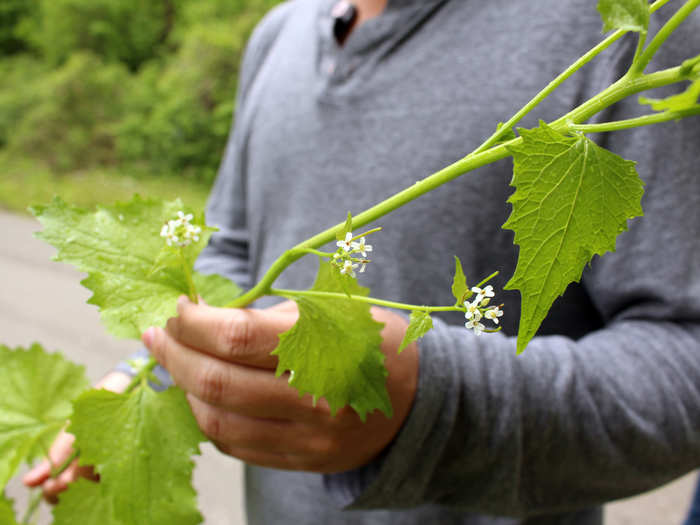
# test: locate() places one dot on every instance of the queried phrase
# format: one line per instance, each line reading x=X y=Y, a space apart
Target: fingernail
x=147 y=337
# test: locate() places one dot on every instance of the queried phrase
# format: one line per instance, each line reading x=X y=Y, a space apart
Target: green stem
x=646 y=120
x=57 y=472
x=660 y=37
x=554 y=84
x=191 y=288
x=468 y=163
x=33 y=506
x=363 y=299
x=317 y=252
x=141 y=375
x=487 y=279
x=624 y=87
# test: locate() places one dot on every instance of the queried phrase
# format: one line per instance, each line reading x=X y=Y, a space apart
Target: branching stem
x=289 y=294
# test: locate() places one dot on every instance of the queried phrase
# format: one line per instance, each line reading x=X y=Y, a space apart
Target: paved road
x=42 y=301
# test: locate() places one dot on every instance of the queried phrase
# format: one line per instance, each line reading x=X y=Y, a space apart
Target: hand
x=221 y=357
x=61 y=450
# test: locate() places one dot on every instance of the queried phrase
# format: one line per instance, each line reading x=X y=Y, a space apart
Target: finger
x=60 y=451
x=232 y=429
x=236 y=335
x=37 y=475
x=252 y=391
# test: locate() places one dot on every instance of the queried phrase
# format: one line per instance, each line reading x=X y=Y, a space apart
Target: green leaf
x=459 y=282
x=36 y=390
x=135 y=278
x=333 y=351
x=86 y=503
x=572 y=199
x=7 y=513
x=508 y=135
x=419 y=324
x=140 y=443
x=629 y=15
x=347 y=228
x=685 y=100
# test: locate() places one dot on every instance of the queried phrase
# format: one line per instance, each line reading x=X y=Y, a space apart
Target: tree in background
x=143 y=87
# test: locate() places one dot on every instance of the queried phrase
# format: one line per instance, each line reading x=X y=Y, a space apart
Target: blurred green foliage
x=145 y=88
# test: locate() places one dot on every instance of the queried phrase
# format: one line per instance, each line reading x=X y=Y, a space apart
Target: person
x=605 y=401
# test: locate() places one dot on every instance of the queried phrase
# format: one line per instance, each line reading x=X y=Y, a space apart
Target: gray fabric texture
x=605 y=401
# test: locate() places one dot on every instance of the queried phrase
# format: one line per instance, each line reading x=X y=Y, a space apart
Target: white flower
x=345 y=244
x=364 y=265
x=483 y=293
x=473 y=311
x=179 y=231
x=349 y=268
x=184 y=218
x=361 y=246
x=493 y=314
x=475 y=325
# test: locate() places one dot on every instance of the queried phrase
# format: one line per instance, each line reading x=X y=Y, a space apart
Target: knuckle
x=235 y=336
x=209 y=423
x=211 y=384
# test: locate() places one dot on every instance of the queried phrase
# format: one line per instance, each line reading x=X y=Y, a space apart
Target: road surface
x=42 y=301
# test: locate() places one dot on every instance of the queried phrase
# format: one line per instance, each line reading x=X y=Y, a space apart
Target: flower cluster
x=180 y=232
x=345 y=259
x=478 y=309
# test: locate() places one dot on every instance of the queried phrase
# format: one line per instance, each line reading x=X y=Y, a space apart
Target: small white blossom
x=473 y=311
x=475 y=325
x=349 y=268
x=184 y=218
x=493 y=314
x=179 y=231
x=345 y=244
x=361 y=246
x=483 y=293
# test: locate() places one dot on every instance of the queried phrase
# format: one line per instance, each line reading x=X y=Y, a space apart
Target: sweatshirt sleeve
x=569 y=423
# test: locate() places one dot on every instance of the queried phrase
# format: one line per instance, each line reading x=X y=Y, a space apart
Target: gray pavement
x=42 y=301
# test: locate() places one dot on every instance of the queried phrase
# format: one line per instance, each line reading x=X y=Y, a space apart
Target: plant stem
x=57 y=472
x=33 y=506
x=191 y=288
x=626 y=86
x=646 y=120
x=468 y=163
x=141 y=375
x=317 y=252
x=554 y=84
x=363 y=299
x=663 y=34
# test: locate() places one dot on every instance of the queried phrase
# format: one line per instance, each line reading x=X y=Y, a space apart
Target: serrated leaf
x=420 y=323
x=141 y=443
x=333 y=351
x=685 y=100
x=36 y=390
x=628 y=15
x=134 y=278
x=7 y=513
x=84 y=502
x=572 y=199
x=459 y=282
